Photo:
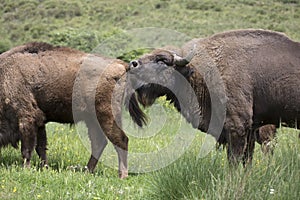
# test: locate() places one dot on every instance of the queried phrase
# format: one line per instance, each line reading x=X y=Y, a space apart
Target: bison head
x=160 y=73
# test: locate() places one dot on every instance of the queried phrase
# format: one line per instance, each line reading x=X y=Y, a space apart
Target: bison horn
x=181 y=62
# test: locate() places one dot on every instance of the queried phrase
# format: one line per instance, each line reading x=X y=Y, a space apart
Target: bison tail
x=137 y=115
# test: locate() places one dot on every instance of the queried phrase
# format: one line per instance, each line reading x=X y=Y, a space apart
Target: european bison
x=253 y=74
x=37 y=82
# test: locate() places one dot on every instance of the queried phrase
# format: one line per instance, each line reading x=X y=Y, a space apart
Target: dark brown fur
x=37 y=82
x=259 y=72
x=266 y=136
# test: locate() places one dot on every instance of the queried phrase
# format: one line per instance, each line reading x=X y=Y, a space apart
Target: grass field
x=86 y=24
x=190 y=177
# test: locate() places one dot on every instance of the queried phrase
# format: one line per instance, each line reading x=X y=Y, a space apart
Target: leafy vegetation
x=270 y=177
x=87 y=24
x=84 y=25
x=190 y=177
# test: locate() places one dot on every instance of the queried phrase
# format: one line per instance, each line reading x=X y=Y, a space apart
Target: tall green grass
x=190 y=177
x=270 y=177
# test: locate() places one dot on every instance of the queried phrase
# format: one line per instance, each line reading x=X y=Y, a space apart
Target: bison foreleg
x=120 y=141
x=240 y=148
x=30 y=119
x=28 y=141
x=98 y=143
x=41 y=146
x=249 y=150
x=234 y=151
x=237 y=140
x=122 y=158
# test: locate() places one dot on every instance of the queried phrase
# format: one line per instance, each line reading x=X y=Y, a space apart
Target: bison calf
x=266 y=136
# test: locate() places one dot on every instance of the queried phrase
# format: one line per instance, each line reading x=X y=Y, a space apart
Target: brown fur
x=266 y=136
x=37 y=82
x=259 y=73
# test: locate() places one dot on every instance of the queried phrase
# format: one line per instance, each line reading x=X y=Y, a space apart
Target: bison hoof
x=46 y=166
x=123 y=174
x=86 y=169
x=26 y=164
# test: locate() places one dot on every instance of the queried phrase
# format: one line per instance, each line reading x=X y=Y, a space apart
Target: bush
x=79 y=39
x=61 y=9
x=131 y=55
x=204 y=5
x=289 y=1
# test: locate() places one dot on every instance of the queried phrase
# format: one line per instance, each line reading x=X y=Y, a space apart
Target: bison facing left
x=37 y=82
x=227 y=85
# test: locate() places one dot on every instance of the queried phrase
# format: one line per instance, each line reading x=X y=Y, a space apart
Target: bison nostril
x=134 y=63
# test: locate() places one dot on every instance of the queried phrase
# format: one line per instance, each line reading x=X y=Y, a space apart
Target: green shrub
x=131 y=55
x=81 y=39
x=289 y=1
x=62 y=9
x=204 y=5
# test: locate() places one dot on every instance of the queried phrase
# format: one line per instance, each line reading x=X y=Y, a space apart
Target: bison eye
x=133 y=63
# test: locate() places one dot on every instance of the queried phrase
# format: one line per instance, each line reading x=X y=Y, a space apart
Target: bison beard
x=260 y=73
x=135 y=112
x=37 y=82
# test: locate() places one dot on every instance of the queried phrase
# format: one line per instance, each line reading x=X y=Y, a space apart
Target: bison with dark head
x=266 y=136
x=254 y=74
x=42 y=83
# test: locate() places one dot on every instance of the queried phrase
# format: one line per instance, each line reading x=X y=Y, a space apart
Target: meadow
x=189 y=177
x=86 y=24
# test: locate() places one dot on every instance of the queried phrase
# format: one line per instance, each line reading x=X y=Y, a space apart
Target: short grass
x=189 y=177
x=65 y=178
